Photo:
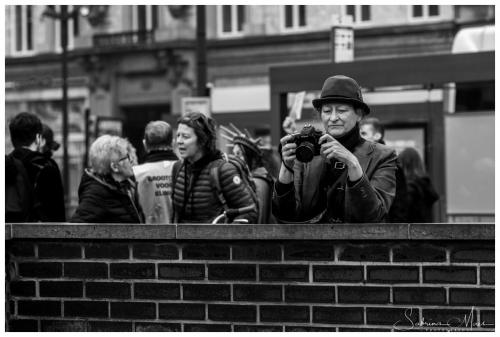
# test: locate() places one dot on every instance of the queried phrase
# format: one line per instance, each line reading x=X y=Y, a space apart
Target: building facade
x=135 y=63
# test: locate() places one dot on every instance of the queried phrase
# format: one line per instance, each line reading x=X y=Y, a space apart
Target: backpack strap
x=214 y=176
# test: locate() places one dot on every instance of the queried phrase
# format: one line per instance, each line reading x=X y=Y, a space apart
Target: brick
x=135 y=310
x=59 y=251
x=87 y=270
x=399 y=317
x=23 y=325
x=389 y=274
x=284 y=313
x=155 y=251
x=258 y=293
x=21 y=248
x=206 y=292
x=365 y=252
x=338 y=273
x=257 y=328
x=232 y=313
x=257 y=252
x=182 y=311
x=451 y=317
x=39 y=308
x=473 y=253
x=97 y=309
x=284 y=273
x=12 y=307
x=106 y=251
x=342 y=329
x=132 y=270
x=310 y=294
x=487 y=275
x=465 y=275
x=363 y=294
x=157 y=327
x=207 y=328
x=232 y=272
x=181 y=271
x=109 y=326
x=410 y=252
x=472 y=296
x=108 y=290
x=22 y=288
x=164 y=291
x=40 y=269
x=338 y=315
x=309 y=251
x=61 y=289
x=487 y=318
x=298 y=328
x=204 y=251
x=63 y=326
x=419 y=295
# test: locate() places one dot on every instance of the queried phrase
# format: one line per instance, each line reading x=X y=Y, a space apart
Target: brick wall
x=157 y=284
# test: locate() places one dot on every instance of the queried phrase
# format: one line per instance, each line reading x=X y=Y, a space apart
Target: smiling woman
x=352 y=181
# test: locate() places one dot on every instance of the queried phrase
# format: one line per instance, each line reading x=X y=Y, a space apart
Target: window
x=294 y=16
x=145 y=17
x=231 y=19
x=424 y=11
x=359 y=13
x=22 y=29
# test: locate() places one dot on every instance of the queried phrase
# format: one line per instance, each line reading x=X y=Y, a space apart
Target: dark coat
x=399 y=209
x=47 y=185
x=195 y=199
x=321 y=193
x=105 y=201
x=264 y=190
x=421 y=197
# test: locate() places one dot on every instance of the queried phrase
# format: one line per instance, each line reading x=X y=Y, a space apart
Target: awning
x=474 y=39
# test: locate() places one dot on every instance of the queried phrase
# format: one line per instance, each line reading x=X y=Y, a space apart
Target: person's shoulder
x=379 y=150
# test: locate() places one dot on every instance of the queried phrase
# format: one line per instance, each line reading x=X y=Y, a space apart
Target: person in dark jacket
x=108 y=191
x=352 y=180
x=47 y=193
x=194 y=198
x=154 y=176
x=248 y=149
x=373 y=130
x=421 y=192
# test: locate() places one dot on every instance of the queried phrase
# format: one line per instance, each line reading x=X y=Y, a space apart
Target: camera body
x=307 y=141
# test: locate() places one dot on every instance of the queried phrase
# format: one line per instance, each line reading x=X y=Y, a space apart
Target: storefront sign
x=196 y=104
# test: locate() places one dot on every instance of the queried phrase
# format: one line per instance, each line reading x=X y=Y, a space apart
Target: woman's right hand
x=288 y=151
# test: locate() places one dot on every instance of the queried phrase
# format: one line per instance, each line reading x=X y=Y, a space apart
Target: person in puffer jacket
x=194 y=198
x=107 y=191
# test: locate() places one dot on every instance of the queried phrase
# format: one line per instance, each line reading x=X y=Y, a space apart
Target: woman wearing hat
x=351 y=181
x=194 y=198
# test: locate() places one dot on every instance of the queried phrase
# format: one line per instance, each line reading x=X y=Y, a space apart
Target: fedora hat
x=340 y=88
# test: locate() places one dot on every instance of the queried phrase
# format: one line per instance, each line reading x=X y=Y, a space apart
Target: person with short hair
x=370 y=128
x=108 y=191
x=154 y=176
x=351 y=180
x=46 y=192
x=195 y=199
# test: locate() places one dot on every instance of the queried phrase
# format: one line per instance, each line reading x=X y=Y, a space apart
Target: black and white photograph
x=249 y=168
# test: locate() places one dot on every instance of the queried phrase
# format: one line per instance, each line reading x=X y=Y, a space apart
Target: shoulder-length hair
x=413 y=166
x=204 y=127
x=105 y=150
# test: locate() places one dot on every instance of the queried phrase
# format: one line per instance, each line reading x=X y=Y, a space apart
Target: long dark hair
x=413 y=166
x=204 y=127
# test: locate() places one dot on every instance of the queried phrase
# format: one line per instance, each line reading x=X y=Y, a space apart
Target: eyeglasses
x=126 y=157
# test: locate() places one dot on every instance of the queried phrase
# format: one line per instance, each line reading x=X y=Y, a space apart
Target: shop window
x=359 y=13
x=424 y=11
x=478 y=96
x=294 y=17
x=22 y=22
x=144 y=17
x=231 y=19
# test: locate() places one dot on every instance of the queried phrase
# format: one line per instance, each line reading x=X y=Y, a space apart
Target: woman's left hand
x=332 y=149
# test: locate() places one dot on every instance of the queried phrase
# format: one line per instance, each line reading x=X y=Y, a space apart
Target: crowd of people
x=344 y=173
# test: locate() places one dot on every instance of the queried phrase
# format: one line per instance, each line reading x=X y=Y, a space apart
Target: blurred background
x=89 y=70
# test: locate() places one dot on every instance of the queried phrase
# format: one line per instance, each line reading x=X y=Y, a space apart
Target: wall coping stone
x=380 y=231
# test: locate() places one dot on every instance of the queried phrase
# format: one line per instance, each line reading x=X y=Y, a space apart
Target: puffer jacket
x=195 y=199
x=104 y=200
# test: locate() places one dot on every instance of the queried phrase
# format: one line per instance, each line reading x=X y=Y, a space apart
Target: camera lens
x=305 y=152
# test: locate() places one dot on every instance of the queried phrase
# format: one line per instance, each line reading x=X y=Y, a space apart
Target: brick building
x=136 y=62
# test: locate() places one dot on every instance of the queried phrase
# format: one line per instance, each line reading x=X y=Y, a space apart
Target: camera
x=307 y=141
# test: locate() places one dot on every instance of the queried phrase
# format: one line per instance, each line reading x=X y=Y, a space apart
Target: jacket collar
x=109 y=182
x=156 y=156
